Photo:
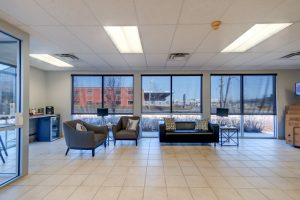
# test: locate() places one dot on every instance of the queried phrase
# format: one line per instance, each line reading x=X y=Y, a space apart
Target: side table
x=229 y=136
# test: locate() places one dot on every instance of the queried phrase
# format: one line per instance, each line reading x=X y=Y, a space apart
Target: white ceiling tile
x=114 y=60
x=156 y=39
x=264 y=59
x=113 y=12
x=197 y=60
x=279 y=40
x=156 y=60
x=188 y=37
x=94 y=60
x=135 y=60
x=69 y=12
x=94 y=37
x=158 y=12
x=175 y=64
x=28 y=12
x=217 y=40
x=63 y=38
x=254 y=11
x=287 y=11
x=243 y=58
x=291 y=47
x=203 y=11
x=220 y=59
x=10 y=19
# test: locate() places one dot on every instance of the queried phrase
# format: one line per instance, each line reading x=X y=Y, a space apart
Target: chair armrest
x=96 y=129
x=215 y=129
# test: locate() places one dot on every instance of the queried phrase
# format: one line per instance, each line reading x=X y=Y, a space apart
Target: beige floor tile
x=31 y=180
x=60 y=192
x=131 y=193
x=203 y=194
x=294 y=194
x=73 y=180
x=38 y=192
x=155 y=181
x=175 y=181
x=171 y=170
x=179 y=193
x=239 y=182
x=259 y=182
x=227 y=194
x=250 y=194
x=108 y=193
x=155 y=171
x=217 y=182
x=14 y=192
x=84 y=192
x=209 y=172
x=196 y=181
x=141 y=171
x=275 y=194
x=155 y=193
x=54 y=180
x=134 y=181
x=94 y=180
x=114 y=181
x=190 y=171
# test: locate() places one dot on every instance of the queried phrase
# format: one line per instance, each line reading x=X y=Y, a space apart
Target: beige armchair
x=121 y=133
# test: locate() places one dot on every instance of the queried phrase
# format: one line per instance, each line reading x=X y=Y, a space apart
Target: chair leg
x=136 y=142
x=93 y=152
x=215 y=144
x=104 y=144
x=114 y=142
x=67 y=151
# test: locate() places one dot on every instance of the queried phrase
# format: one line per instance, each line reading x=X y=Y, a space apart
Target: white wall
x=37 y=88
x=59 y=91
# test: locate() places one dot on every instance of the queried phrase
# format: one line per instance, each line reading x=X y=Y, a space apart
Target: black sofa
x=185 y=132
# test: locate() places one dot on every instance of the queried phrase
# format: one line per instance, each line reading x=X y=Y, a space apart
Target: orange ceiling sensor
x=215 y=25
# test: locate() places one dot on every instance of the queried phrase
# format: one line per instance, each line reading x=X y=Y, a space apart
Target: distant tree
x=112 y=84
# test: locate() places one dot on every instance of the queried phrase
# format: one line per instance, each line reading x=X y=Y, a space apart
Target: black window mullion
x=102 y=91
x=171 y=94
x=242 y=94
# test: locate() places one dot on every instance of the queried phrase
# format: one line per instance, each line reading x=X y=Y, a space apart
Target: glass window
x=259 y=94
x=225 y=93
x=156 y=92
x=10 y=99
x=87 y=95
x=116 y=93
x=186 y=94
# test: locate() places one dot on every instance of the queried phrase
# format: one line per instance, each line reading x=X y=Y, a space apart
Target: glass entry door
x=9 y=106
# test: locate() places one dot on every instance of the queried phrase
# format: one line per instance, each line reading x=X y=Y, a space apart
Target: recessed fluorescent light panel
x=255 y=35
x=126 y=38
x=51 y=60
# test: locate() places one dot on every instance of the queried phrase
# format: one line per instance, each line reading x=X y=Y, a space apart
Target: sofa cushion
x=202 y=125
x=132 y=124
x=80 y=127
x=170 y=124
x=188 y=132
x=185 y=125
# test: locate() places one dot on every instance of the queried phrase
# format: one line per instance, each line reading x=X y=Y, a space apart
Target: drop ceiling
x=166 y=26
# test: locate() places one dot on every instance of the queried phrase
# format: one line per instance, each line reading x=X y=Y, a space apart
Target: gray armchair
x=120 y=132
x=84 y=140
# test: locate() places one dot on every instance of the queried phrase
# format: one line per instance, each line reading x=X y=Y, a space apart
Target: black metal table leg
x=4 y=149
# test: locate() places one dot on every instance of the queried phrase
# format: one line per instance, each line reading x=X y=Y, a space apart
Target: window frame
x=171 y=96
x=102 y=92
x=274 y=79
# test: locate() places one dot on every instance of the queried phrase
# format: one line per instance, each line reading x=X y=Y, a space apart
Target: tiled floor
x=258 y=169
